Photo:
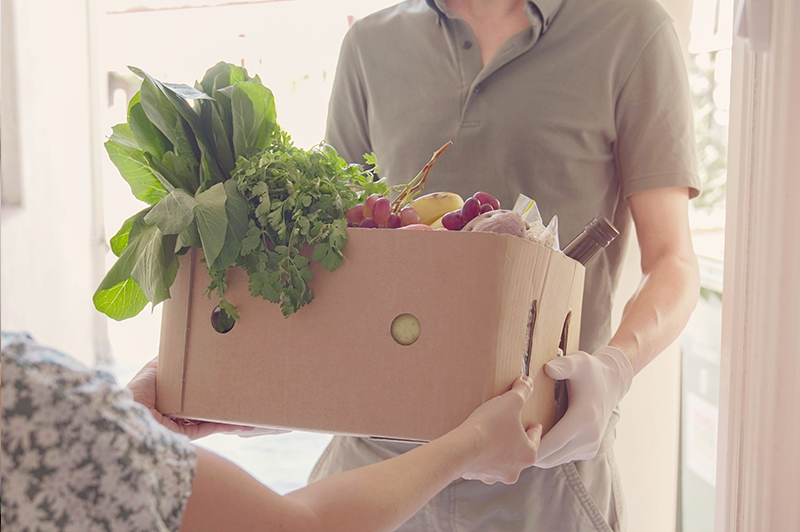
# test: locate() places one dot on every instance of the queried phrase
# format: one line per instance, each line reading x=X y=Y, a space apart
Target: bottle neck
x=597 y=234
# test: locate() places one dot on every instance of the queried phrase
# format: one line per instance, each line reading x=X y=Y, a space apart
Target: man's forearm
x=659 y=310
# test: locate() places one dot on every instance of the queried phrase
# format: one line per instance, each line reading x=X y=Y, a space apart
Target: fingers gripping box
x=489 y=307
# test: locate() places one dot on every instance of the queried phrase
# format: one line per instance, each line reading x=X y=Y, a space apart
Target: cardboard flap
x=523 y=284
x=573 y=337
x=560 y=301
x=175 y=317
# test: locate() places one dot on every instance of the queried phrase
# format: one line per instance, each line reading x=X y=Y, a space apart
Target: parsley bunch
x=296 y=201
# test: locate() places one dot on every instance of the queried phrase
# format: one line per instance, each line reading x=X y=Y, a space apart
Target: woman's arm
x=491 y=445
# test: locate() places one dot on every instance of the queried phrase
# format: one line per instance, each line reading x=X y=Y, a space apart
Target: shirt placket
x=474 y=75
x=468 y=57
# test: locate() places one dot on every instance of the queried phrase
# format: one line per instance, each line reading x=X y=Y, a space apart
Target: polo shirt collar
x=546 y=8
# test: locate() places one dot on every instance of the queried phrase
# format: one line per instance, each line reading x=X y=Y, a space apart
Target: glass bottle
x=597 y=234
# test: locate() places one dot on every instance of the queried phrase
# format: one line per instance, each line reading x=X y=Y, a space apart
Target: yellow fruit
x=438 y=223
x=433 y=206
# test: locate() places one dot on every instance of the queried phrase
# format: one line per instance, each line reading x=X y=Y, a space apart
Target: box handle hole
x=561 y=398
x=405 y=329
x=221 y=321
x=526 y=360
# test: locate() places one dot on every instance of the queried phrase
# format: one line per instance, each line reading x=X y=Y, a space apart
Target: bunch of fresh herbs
x=218 y=173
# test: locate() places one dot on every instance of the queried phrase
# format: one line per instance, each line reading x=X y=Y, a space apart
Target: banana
x=437 y=223
x=433 y=206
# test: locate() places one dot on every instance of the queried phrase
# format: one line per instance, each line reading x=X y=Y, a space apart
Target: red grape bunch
x=376 y=211
x=477 y=204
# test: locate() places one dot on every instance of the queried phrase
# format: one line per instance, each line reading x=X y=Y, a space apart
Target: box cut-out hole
x=221 y=321
x=526 y=360
x=561 y=398
x=405 y=329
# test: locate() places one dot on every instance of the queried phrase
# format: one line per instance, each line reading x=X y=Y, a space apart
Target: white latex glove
x=595 y=385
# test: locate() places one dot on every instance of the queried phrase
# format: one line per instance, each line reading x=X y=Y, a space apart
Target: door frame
x=758 y=461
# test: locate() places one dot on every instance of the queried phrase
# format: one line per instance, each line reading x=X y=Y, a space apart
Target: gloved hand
x=595 y=385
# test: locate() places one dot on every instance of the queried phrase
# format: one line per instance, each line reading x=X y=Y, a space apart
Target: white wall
x=648 y=434
x=48 y=242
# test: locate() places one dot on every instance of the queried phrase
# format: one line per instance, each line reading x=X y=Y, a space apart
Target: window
x=710 y=81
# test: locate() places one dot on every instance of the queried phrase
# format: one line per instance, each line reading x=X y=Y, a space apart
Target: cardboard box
x=333 y=366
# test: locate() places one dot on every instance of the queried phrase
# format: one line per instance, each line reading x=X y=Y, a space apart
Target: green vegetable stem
x=217 y=172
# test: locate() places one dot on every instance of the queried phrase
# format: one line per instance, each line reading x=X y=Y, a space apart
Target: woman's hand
x=143 y=387
x=505 y=447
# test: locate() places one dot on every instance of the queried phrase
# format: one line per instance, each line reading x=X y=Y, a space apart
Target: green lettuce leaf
x=188 y=238
x=236 y=211
x=254 y=117
x=134 y=168
x=218 y=134
x=212 y=220
x=121 y=301
x=120 y=240
x=222 y=75
x=157 y=266
x=174 y=213
x=148 y=137
x=144 y=272
x=167 y=114
x=174 y=169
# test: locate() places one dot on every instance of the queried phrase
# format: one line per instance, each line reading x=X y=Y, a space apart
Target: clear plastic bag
x=545 y=235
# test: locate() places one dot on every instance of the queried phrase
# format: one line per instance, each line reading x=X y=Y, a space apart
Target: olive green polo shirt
x=584 y=108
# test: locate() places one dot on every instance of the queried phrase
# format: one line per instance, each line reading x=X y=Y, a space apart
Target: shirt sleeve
x=78 y=453
x=347 y=127
x=656 y=146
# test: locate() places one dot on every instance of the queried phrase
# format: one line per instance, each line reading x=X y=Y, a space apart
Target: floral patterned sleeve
x=79 y=454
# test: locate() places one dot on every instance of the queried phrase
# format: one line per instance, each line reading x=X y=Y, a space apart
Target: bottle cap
x=601 y=230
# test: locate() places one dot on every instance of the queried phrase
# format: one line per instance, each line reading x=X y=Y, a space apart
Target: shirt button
x=477 y=89
x=466 y=45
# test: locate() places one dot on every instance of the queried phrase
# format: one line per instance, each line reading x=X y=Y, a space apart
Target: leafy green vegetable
x=120 y=240
x=145 y=133
x=297 y=201
x=174 y=213
x=212 y=220
x=218 y=173
x=254 y=117
x=149 y=261
x=133 y=166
